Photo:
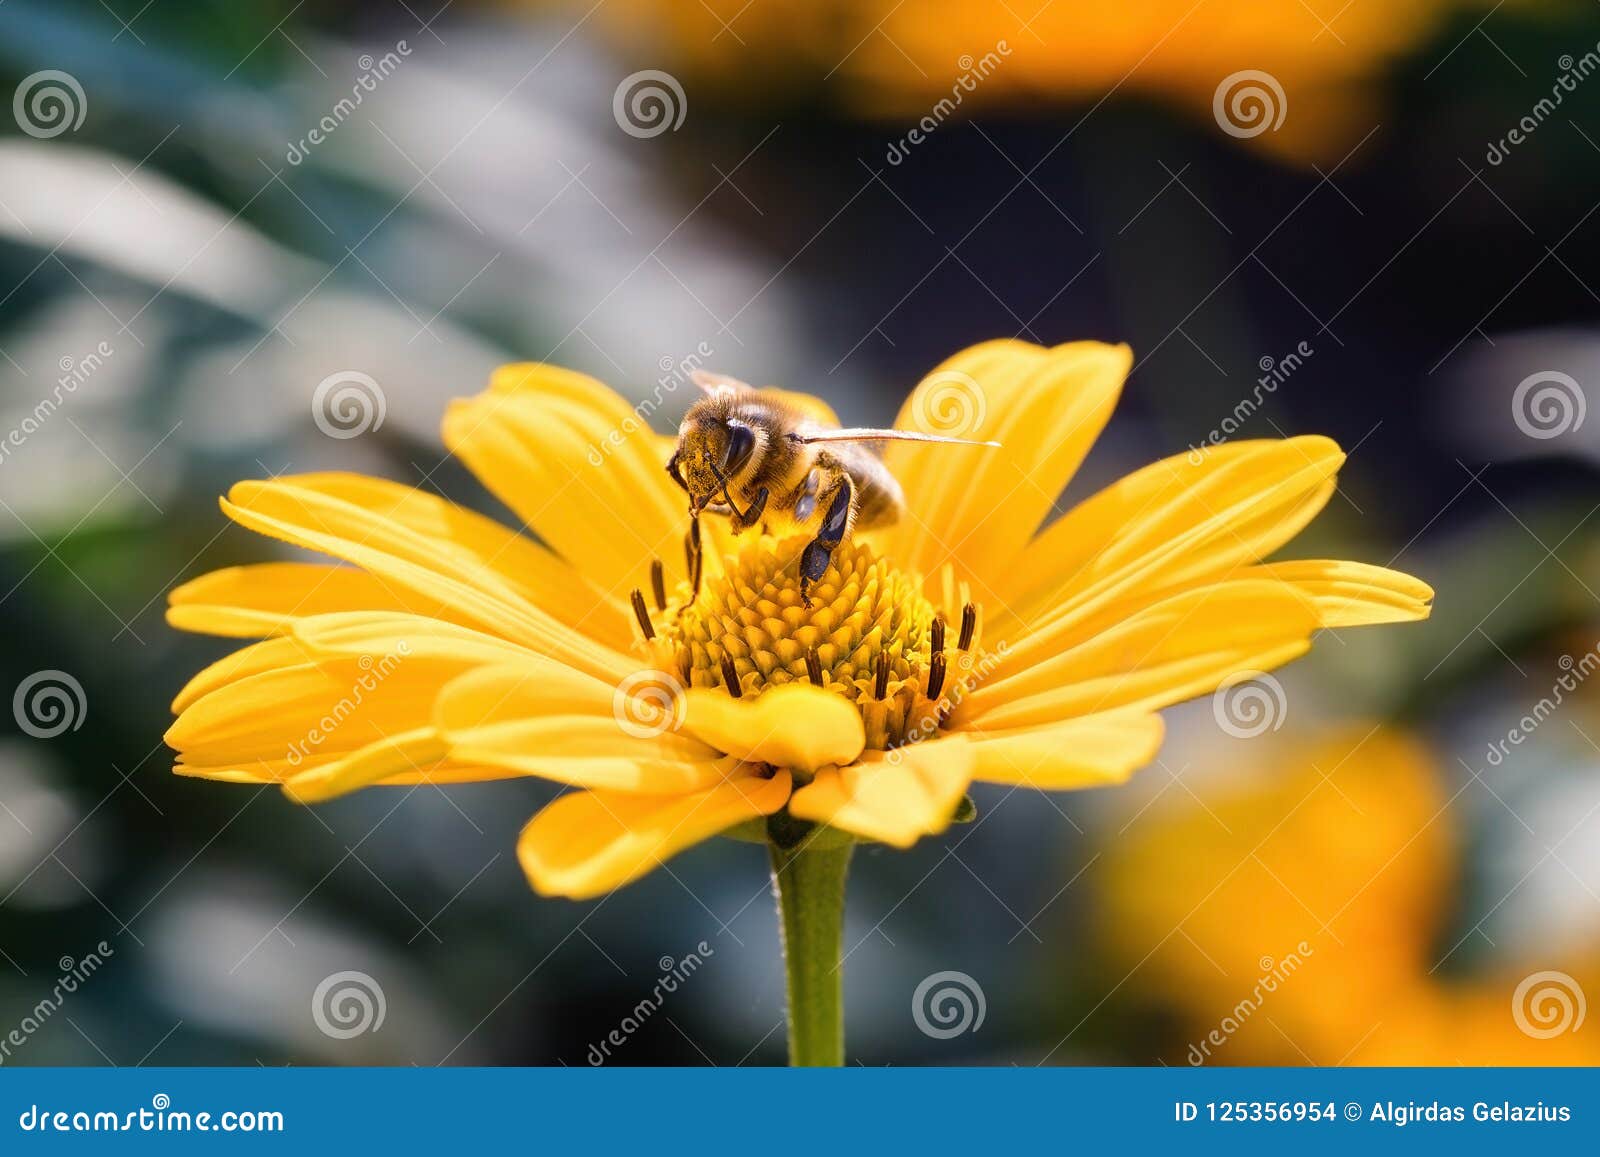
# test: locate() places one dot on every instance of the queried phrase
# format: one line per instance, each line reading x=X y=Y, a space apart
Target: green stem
x=809 y=883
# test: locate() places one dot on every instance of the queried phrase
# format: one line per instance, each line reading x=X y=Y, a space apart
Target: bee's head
x=714 y=449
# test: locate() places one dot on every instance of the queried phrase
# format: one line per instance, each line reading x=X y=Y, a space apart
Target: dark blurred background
x=1400 y=235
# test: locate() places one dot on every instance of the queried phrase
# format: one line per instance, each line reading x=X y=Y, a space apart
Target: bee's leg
x=819 y=551
x=745 y=519
x=694 y=556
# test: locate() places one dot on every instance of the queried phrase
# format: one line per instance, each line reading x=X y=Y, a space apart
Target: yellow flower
x=1301 y=916
x=929 y=61
x=969 y=641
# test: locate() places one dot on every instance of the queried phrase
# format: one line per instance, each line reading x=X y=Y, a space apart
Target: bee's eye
x=741 y=441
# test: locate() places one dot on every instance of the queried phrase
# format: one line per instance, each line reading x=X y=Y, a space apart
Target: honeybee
x=770 y=458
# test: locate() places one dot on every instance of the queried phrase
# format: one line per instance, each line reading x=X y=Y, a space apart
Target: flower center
x=869 y=635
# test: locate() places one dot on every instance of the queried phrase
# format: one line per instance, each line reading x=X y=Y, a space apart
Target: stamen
x=642 y=613
x=880 y=687
x=730 y=676
x=658 y=584
x=938 y=636
x=695 y=554
x=969 y=623
x=814 y=667
x=936 y=675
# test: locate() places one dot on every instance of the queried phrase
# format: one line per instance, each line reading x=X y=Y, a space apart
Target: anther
x=880 y=687
x=696 y=555
x=969 y=623
x=938 y=636
x=642 y=613
x=814 y=666
x=730 y=676
x=658 y=584
x=936 y=675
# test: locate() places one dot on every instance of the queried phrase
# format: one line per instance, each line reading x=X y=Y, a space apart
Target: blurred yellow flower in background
x=1326 y=867
x=899 y=60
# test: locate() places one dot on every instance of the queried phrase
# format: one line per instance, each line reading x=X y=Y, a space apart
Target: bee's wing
x=710 y=382
x=813 y=414
x=868 y=434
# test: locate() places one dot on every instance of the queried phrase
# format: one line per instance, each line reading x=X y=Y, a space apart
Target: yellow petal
x=977 y=507
x=588 y=843
x=1093 y=751
x=1353 y=594
x=367 y=633
x=795 y=725
x=441 y=771
x=577 y=464
x=896 y=797
x=271 y=655
x=546 y=720
x=523 y=565
x=1178 y=647
x=261 y=600
x=450 y=574
x=308 y=712
x=408 y=751
x=1182 y=519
